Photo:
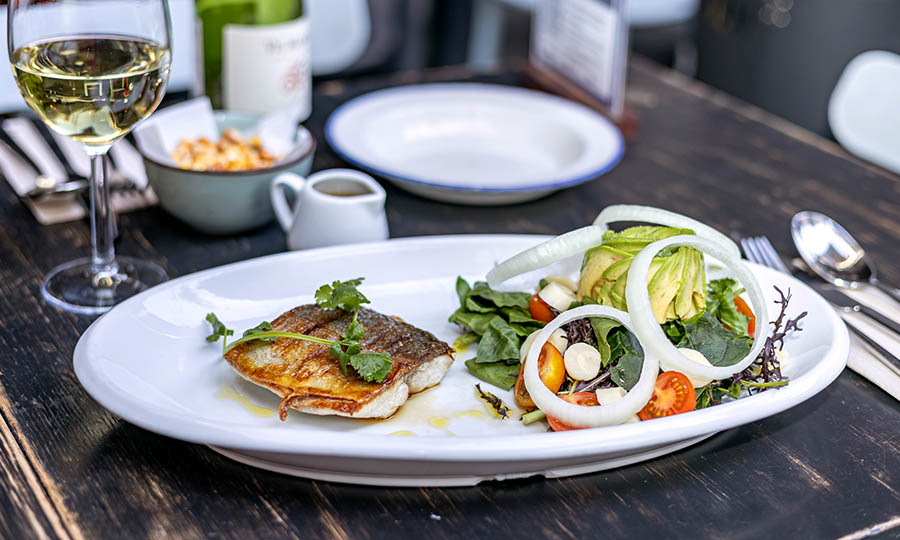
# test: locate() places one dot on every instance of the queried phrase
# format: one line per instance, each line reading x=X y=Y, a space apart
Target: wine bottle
x=255 y=55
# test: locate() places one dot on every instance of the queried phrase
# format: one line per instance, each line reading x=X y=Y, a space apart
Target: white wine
x=92 y=88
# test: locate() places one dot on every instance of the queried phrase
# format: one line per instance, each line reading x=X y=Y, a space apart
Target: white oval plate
x=474 y=143
x=147 y=361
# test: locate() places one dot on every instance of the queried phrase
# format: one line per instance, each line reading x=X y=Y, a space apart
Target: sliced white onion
x=566 y=245
x=650 y=333
x=579 y=415
x=658 y=216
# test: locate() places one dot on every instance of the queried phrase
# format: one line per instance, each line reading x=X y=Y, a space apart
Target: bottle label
x=267 y=68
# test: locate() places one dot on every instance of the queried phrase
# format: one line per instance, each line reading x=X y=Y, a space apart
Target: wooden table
x=827 y=468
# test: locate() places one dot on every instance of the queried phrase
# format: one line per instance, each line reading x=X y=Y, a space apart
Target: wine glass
x=92 y=69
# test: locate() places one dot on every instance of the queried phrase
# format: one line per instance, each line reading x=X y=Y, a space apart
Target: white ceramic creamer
x=334 y=206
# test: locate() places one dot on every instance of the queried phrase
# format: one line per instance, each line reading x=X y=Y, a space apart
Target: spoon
x=833 y=254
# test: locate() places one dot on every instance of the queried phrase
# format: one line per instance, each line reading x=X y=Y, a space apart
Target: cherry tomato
x=552 y=370
x=588 y=399
x=673 y=394
x=540 y=310
x=745 y=309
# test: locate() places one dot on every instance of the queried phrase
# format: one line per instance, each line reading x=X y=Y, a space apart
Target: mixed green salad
x=598 y=360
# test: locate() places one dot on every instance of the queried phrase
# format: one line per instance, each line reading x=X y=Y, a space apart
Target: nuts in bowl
x=233 y=152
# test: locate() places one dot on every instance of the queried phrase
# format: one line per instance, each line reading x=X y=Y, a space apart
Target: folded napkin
x=21 y=175
x=865 y=360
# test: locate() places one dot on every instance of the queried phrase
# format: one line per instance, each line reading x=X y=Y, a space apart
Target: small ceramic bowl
x=226 y=202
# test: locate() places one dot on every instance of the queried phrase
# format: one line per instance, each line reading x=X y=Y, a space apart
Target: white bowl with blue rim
x=226 y=202
x=472 y=143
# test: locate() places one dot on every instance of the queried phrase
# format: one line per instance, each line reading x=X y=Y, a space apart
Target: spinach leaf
x=476 y=322
x=675 y=332
x=500 y=374
x=482 y=291
x=720 y=304
x=462 y=290
x=626 y=347
x=718 y=345
x=499 y=343
x=602 y=327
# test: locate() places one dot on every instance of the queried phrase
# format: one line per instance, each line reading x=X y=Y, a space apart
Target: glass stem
x=103 y=257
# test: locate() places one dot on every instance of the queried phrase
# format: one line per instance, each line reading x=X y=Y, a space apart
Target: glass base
x=73 y=287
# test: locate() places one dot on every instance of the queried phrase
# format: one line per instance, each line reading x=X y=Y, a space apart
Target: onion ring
x=546 y=253
x=650 y=333
x=658 y=216
x=579 y=415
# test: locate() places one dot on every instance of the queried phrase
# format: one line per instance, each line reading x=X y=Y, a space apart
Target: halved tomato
x=552 y=370
x=673 y=394
x=588 y=399
x=745 y=309
x=540 y=310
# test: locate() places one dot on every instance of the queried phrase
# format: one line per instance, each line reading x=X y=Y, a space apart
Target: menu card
x=586 y=42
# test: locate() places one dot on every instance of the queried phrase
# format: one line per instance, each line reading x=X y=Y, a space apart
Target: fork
x=759 y=249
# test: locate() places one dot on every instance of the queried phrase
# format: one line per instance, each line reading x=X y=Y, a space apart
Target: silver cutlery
x=760 y=250
x=833 y=254
x=55 y=175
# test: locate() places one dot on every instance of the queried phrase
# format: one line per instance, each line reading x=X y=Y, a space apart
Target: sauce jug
x=335 y=206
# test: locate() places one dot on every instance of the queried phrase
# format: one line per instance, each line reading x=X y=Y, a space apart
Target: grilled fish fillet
x=310 y=380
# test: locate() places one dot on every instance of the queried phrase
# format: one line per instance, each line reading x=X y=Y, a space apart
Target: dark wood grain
x=827 y=468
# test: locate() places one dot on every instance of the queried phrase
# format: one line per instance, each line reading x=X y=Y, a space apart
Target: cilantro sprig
x=344 y=295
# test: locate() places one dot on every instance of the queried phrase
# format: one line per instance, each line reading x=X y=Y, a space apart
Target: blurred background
x=782 y=55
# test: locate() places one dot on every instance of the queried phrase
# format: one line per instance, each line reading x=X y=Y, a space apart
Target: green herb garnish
x=371 y=366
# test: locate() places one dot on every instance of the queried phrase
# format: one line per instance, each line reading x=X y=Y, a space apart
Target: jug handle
x=283 y=211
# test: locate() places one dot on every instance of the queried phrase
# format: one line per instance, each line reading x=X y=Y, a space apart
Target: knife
x=843 y=302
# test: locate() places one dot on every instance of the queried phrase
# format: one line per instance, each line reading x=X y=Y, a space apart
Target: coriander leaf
x=627 y=369
x=343 y=358
x=720 y=304
x=462 y=290
x=264 y=326
x=372 y=367
x=219 y=330
x=355 y=332
x=500 y=374
x=341 y=295
x=499 y=343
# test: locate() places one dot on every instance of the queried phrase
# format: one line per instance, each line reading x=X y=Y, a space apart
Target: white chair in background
x=864 y=109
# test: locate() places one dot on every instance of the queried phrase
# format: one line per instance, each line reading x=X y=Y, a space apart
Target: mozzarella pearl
x=582 y=361
x=696 y=356
x=606 y=396
x=558 y=339
x=557 y=296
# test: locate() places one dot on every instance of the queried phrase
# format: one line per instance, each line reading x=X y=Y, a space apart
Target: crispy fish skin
x=309 y=379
